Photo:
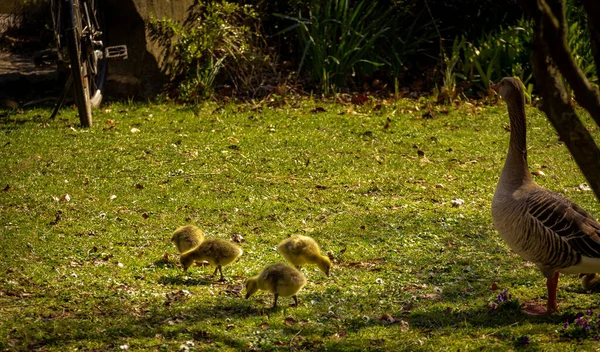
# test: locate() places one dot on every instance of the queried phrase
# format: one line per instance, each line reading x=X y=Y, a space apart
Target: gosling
x=300 y=250
x=187 y=237
x=591 y=282
x=215 y=251
x=280 y=279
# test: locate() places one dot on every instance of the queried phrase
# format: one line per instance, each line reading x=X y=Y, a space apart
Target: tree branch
x=553 y=25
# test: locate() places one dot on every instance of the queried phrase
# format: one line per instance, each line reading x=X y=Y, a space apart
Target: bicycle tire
x=73 y=34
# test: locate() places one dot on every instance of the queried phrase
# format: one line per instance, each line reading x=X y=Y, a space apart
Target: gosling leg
x=275 y=300
x=295 y=300
x=221 y=271
x=215 y=272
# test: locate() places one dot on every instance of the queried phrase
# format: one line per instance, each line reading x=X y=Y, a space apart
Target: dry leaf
x=359 y=99
x=237 y=238
x=139 y=186
x=8 y=188
x=538 y=173
x=317 y=109
x=457 y=202
x=584 y=187
x=65 y=198
x=145 y=215
x=494 y=287
x=289 y=321
x=387 y=317
x=113 y=197
x=387 y=124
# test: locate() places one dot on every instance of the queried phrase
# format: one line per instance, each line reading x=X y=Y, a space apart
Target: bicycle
x=80 y=41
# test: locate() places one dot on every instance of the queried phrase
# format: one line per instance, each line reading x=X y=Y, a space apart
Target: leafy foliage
x=216 y=44
x=337 y=38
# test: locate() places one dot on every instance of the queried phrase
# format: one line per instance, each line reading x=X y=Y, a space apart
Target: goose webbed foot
x=551 y=305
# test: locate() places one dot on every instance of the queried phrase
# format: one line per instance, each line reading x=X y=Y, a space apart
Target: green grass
x=98 y=272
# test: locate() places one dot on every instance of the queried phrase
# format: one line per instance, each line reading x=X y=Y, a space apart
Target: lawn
x=86 y=217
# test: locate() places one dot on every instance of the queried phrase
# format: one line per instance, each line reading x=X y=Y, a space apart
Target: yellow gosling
x=215 y=251
x=591 y=282
x=187 y=237
x=300 y=250
x=280 y=279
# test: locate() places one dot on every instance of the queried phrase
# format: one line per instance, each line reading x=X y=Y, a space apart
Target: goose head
x=510 y=89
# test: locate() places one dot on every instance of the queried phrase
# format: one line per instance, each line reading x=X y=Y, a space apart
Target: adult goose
x=541 y=226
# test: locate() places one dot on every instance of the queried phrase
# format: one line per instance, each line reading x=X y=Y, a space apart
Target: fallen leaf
x=404 y=327
x=538 y=173
x=494 y=287
x=457 y=202
x=8 y=188
x=113 y=197
x=289 y=321
x=584 y=187
x=65 y=198
x=237 y=238
x=387 y=317
x=387 y=124
x=265 y=326
x=145 y=215
x=317 y=109
x=359 y=99
x=139 y=186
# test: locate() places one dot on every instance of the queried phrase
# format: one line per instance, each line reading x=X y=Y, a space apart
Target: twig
x=293 y=337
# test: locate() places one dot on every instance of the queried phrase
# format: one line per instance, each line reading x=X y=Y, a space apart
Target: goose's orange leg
x=551 y=305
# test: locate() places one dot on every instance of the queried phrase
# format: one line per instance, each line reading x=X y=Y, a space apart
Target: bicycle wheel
x=82 y=21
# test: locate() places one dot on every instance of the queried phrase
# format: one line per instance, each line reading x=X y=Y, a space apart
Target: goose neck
x=516 y=170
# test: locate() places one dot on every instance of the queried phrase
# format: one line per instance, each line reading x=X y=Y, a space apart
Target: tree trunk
x=551 y=52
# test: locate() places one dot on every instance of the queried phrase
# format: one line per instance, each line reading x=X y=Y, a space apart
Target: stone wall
x=140 y=76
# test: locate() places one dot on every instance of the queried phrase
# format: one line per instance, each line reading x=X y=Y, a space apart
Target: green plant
x=578 y=39
x=338 y=39
x=215 y=44
x=497 y=55
x=407 y=39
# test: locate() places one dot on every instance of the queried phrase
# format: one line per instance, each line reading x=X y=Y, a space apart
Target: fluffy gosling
x=591 y=282
x=187 y=237
x=215 y=251
x=300 y=250
x=280 y=279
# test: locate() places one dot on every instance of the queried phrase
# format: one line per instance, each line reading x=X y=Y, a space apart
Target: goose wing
x=567 y=220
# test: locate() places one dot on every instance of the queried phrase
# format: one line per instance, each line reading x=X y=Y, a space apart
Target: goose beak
x=494 y=86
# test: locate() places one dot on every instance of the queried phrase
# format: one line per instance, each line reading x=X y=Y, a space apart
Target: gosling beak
x=495 y=86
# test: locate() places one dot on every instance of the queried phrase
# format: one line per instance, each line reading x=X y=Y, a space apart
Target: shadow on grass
x=182 y=279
